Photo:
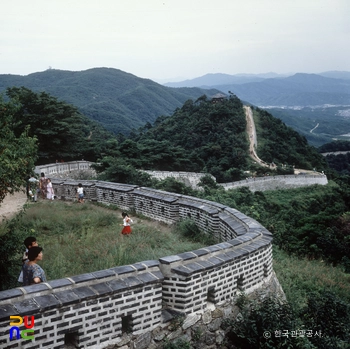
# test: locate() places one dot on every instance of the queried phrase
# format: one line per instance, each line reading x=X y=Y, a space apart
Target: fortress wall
x=278 y=182
x=127 y=305
x=191 y=179
x=63 y=167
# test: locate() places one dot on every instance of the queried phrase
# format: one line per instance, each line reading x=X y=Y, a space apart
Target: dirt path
x=12 y=204
x=251 y=131
x=253 y=142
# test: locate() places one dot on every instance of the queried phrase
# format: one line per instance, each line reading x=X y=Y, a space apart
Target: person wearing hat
x=32 y=272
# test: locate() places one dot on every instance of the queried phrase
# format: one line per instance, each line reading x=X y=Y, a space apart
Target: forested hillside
x=203 y=136
x=117 y=100
x=339 y=162
x=279 y=143
x=62 y=133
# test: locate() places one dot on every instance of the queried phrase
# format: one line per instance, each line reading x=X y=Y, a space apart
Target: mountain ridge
x=300 y=89
x=118 y=100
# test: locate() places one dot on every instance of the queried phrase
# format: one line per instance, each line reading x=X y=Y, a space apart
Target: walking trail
x=253 y=143
x=12 y=204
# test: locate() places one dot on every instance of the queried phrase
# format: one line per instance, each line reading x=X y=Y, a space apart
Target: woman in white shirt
x=50 y=194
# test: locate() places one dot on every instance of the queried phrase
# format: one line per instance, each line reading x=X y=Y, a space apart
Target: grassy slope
x=88 y=238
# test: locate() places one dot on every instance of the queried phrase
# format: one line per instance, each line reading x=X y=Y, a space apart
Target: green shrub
x=12 y=234
x=261 y=323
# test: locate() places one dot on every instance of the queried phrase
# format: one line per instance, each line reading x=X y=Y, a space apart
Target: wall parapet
x=98 y=309
x=63 y=167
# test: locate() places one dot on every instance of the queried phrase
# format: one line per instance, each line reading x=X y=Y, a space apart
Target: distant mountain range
x=271 y=89
x=121 y=101
x=118 y=100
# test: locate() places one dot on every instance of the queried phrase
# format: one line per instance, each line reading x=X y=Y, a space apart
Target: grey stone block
x=67 y=297
x=103 y=273
x=124 y=269
x=118 y=285
x=27 y=307
x=36 y=288
x=7 y=294
x=170 y=259
x=47 y=302
x=83 y=278
x=102 y=289
x=7 y=310
x=59 y=283
x=151 y=263
x=187 y=255
x=147 y=278
x=84 y=293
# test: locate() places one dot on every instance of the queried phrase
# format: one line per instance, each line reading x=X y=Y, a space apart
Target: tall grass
x=300 y=277
x=81 y=238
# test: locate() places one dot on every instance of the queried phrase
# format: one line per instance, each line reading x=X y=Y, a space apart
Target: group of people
x=46 y=189
x=31 y=272
x=45 y=186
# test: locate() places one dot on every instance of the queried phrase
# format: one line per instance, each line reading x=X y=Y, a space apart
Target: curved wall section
x=97 y=309
x=63 y=167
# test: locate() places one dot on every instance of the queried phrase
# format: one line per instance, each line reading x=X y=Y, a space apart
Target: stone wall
x=54 y=170
x=278 y=182
x=60 y=170
x=137 y=306
x=191 y=179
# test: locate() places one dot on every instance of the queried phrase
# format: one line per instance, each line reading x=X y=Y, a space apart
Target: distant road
x=251 y=131
x=336 y=152
x=253 y=142
x=314 y=128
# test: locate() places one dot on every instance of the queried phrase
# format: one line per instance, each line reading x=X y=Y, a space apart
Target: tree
x=62 y=132
x=18 y=153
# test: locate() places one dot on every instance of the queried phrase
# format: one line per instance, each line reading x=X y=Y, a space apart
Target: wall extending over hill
x=64 y=168
x=278 y=182
x=130 y=306
x=192 y=178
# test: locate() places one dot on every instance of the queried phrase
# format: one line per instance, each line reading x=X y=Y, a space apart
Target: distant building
x=218 y=98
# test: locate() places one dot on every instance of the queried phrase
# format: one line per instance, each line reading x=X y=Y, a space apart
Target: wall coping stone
x=27 y=307
x=82 y=278
x=47 y=302
x=103 y=273
x=67 y=297
x=187 y=255
x=35 y=288
x=12 y=293
x=84 y=293
x=102 y=289
x=59 y=283
x=200 y=252
x=6 y=310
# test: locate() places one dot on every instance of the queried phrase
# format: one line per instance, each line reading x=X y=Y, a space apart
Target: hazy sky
x=177 y=39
